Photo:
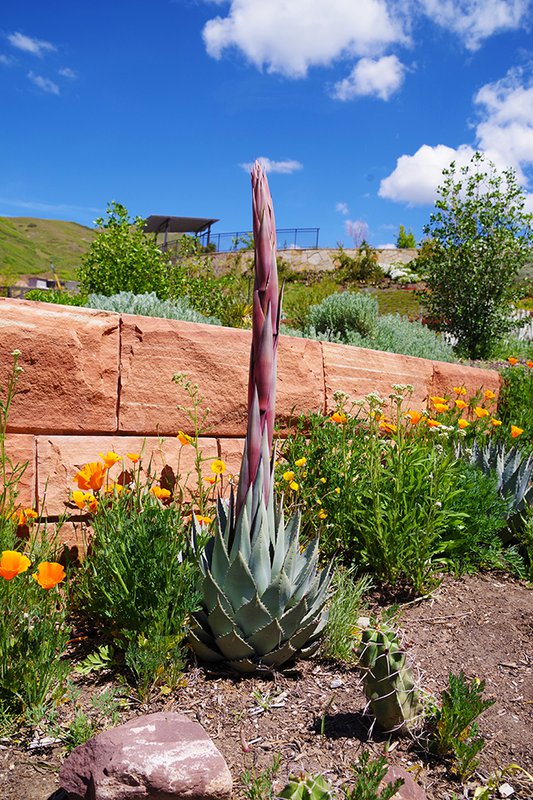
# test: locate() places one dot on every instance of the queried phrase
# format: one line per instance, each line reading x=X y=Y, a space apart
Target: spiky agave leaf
x=263 y=599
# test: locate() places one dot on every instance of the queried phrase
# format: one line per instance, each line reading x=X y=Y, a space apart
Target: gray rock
x=158 y=756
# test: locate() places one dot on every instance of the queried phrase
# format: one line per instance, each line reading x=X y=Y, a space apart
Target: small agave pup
x=263 y=600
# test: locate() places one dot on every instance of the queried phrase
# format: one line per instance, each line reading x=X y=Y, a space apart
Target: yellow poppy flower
x=462 y=423
x=322 y=514
x=433 y=423
x=133 y=457
x=488 y=394
x=459 y=390
x=480 y=412
x=161 y=494
x=288 y=475
x=294 y=486
x=461 y=404
x=437 y=399
x=496 y=422
x=301 y=462
x=516 y=431
x=440 y=407
x=218 y=466
x=109 y=458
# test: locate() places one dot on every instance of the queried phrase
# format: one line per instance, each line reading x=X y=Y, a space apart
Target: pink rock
x=216 y=360
x=164 y=756
x=69 y=358
x=357 y=372
x=446 y=376
x=61 y=457
x=21 y=449
x=410 y=790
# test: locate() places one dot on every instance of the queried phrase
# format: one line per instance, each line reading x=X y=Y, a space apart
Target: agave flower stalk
x=263 y=599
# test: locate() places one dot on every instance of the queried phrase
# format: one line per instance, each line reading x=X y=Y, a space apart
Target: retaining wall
x=95 y=381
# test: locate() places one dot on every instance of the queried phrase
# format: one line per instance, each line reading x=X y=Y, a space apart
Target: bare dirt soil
x=313 y=714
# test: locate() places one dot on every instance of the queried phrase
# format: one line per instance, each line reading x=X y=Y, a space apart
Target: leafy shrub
x=516 y=398
x=396 y=334
x=139 y=583
x=481 y=238
x=342 y=313
x=363 y=266
x=56 y=296
x=122 y=258
x=149 y=305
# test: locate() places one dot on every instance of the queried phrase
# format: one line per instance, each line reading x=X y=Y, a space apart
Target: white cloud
x=67 y=72
x=29 y=45
x=59 y=208
x=286 y=167
x=381 y=77
x=290 y=37
x=5 y=60
x=342 y=208
x=504 y=132
x=45 y=84
x=416 y=177
x=476 y=20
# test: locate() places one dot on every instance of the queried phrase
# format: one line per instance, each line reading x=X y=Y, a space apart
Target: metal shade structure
x=160 y=224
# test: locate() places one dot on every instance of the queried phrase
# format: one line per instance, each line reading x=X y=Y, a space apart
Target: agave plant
x=263 y=599
x=307 y=787
x=514 y=475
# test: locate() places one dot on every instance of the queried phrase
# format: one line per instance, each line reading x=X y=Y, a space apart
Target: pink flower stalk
x=265 y=333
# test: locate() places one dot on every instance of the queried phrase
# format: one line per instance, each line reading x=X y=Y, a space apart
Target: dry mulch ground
x=480 y=624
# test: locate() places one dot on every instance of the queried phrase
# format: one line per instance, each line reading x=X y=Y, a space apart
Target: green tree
x=122 y=258
x=480 y=238
x=405 y=240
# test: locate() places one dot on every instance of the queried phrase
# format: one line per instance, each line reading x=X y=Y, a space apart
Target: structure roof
x=159 y=224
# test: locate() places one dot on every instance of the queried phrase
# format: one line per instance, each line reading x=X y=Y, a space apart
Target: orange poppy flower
x=440 y=407
x=161 y=494
x=91 y=476
x=461 y=404
x=414 y=416
x=339 y=417
x=203 y=520
x=388 y=427
x=13 y=563
x=212 y=479
x=437 y=399
x=496 y=422
x=512 y=360
x=480 y=412
x=184 y=439
x=111 y=488
x=24 y=515
x=110 y=458
x=133 y=457
x=529 y=364
x=459 y=390
x=78 y=497
x=516 y=431
x=462 y=423
x=49 y=574
x=92 y=502
x=488 y=394
x=433 y=423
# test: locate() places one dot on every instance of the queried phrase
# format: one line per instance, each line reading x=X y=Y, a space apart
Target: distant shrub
x=396 y=334
x=149 y=305
x=343 y=313
x=56 y=296
x=363 y=266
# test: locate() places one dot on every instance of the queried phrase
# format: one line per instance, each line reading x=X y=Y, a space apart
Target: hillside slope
x=28 y=245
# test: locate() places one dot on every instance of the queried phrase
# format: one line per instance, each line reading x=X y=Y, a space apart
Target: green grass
x=28 y=245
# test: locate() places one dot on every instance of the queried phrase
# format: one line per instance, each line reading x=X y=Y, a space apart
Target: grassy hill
x=28 y=245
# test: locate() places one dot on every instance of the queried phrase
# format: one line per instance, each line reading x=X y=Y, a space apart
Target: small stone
x=162 y=756
x=505 y=790
x=336 y=683
x=410 y=790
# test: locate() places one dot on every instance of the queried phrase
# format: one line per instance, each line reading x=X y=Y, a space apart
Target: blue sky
x=355 y=105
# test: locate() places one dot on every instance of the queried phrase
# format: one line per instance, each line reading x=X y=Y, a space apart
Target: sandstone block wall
x=95 y=381
x=322 y=259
